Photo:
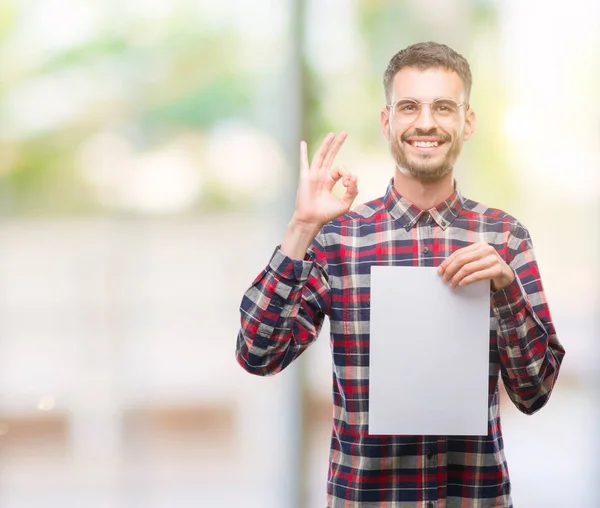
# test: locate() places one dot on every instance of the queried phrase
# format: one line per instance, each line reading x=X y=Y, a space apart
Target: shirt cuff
x=291 y=269
x=510 y=300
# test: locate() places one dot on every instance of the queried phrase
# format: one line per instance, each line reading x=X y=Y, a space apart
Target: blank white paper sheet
x=429 y=354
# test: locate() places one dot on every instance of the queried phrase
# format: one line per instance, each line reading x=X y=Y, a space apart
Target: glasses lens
x=444 y=111
x=406 y=110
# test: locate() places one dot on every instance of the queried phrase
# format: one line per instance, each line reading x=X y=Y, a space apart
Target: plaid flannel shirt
x=283 y=311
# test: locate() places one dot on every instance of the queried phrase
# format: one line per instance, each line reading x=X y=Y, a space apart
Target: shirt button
x=429 y=504
x=425 y=250
x=429 y=455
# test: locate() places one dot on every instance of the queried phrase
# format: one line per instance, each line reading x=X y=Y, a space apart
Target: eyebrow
x=417 y=100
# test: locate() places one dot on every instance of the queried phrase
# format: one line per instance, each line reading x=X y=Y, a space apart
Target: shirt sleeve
x=283 y=311
x=530 y=353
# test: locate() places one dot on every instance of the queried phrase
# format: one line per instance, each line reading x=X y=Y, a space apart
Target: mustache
x=431 y=132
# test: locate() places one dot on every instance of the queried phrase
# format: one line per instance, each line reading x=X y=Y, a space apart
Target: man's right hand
x=315 y=203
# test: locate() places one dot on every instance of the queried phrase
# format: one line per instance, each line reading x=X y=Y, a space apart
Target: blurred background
x=148 y=158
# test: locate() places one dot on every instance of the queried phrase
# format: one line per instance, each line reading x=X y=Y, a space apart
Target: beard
x=425 y=167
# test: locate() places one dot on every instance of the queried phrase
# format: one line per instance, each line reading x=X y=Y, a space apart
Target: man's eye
x=444 y=108
x=407 y=108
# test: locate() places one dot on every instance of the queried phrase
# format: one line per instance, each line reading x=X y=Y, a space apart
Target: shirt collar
x=408 y=214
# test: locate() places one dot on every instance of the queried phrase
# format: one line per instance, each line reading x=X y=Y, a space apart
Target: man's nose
x=425 y=120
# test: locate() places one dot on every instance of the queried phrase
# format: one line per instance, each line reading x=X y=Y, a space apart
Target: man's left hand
x=479 y=261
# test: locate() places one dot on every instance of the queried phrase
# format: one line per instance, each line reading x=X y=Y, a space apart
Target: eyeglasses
x=444 y=111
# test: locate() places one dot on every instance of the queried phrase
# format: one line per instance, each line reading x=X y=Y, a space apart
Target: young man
x=323 y=268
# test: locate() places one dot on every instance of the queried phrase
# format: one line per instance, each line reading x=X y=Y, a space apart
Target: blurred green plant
x=185 y=80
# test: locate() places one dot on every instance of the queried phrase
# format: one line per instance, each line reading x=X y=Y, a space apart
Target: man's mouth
x=425 y=144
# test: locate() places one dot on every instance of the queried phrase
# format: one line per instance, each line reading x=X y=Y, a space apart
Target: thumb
x=351 y=184
x=335 y=175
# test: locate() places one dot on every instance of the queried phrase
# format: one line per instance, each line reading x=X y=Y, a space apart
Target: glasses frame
x=419 y=104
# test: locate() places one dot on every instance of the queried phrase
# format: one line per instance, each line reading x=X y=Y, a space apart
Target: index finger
x=454 y=255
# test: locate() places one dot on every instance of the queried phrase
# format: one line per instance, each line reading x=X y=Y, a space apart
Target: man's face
x=426 y=148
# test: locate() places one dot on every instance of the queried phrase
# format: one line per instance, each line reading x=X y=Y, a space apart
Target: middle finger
x=319 y=156
x=333 y=149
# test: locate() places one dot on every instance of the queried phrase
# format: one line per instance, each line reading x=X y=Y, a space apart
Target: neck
x=424 y=194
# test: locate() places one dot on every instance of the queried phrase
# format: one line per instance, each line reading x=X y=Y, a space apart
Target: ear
x=470 y=123
x=385 y=123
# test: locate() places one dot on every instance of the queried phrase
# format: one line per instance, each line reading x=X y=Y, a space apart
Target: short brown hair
x=425 y=55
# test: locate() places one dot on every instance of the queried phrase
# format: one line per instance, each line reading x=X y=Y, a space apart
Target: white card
x=429 y=354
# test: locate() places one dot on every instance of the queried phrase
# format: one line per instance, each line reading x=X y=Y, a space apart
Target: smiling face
x=422 y=146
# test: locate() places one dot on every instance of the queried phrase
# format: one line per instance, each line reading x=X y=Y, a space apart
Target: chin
x=426 y=174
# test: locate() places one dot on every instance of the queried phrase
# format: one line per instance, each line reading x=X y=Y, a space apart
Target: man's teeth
x=425 y=144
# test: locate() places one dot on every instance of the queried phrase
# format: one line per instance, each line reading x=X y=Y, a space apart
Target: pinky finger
x=303 y=157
